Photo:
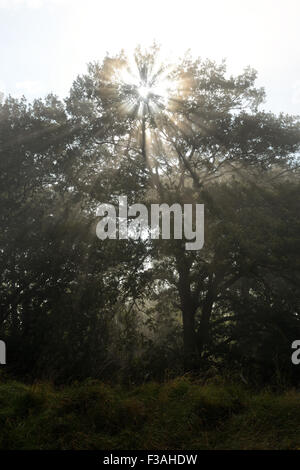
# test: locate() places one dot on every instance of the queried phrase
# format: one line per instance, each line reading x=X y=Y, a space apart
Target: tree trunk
x=188 y=309
x=190 y=350
x=205 y=321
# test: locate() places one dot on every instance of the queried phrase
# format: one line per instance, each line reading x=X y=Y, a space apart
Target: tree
x=59 y=286
x=205 y=133
x=73 y=305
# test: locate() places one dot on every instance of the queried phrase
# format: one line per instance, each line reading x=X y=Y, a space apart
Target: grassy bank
x=179 y=414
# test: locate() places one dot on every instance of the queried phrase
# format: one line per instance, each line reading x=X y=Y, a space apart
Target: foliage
x=179 y=414
x=74 y=307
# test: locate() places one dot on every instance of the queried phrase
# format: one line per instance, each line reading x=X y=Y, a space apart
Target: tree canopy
x=75 y=306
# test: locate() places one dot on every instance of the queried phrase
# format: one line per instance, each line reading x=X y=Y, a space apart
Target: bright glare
x=144 y=91
x=156 y=89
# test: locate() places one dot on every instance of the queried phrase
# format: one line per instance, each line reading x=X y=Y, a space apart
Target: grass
x=179 y=414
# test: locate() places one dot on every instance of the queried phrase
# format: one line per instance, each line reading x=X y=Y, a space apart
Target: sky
x=45 y=44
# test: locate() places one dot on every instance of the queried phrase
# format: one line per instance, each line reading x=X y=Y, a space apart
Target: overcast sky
x=45 y=44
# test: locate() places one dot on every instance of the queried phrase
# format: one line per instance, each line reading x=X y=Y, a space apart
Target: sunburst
x=148 y=91
x=146 y=85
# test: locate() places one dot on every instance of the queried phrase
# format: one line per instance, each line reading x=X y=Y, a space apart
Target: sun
x=147 y=84
x=144 y=91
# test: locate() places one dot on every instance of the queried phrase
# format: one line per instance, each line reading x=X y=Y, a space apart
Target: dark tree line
x=74 y=306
